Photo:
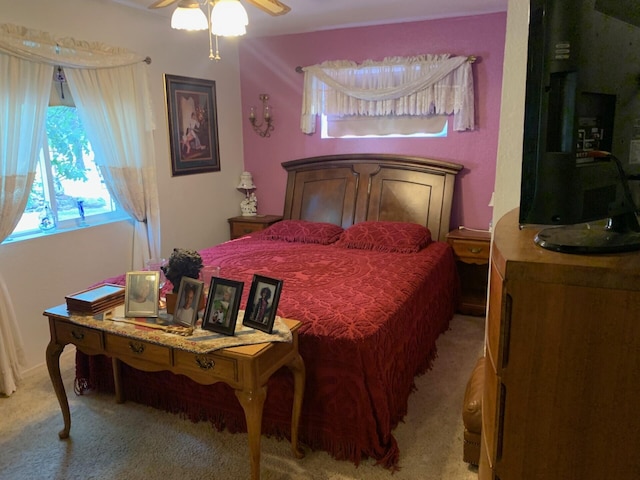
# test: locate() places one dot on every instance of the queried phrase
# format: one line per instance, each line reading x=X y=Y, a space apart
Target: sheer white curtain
x=27 y=59
x=110 y=88
x=22 y=120
x=420 y=85
x=112 y=105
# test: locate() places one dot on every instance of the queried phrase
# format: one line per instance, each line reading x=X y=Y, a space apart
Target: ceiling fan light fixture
x=189 y=16
x=229 y=19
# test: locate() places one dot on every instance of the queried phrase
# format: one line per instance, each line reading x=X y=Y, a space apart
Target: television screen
x=582 y=123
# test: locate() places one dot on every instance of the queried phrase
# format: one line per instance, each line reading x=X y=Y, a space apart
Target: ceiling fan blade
x=272 y=7
x=162 y=3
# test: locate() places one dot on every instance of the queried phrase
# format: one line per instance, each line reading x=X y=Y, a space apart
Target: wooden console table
x=245 y=368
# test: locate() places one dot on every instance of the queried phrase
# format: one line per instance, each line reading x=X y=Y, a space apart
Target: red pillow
x=398 y=237
x=302 y=231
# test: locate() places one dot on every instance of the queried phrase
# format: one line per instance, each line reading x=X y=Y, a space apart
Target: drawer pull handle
x=247 y=230
x=475 y=250
x=205 y=363
x=77 y=335
x=136 y=347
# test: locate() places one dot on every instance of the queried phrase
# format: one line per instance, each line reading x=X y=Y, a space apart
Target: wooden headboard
x=347 y=189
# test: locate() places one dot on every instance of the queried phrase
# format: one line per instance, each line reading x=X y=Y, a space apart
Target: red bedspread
x=370 y=322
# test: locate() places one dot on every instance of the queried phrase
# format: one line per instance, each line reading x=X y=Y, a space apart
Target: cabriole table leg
x=53 y=365
x=253 y=403
x=296 y=366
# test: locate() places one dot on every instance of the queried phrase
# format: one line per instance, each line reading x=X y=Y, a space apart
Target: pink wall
x=267 y=65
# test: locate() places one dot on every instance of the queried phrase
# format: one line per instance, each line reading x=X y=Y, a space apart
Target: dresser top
x=517 y=256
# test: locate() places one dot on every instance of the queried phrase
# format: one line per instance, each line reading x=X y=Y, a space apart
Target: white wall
x=509 y=163
x=193 y=208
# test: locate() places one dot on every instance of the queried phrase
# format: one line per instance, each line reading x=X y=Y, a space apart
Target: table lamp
x=248 y=206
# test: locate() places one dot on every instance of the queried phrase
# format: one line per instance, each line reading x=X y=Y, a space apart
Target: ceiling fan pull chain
x=215 y=57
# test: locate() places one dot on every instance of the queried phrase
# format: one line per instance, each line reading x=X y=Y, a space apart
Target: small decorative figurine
x=249 y=206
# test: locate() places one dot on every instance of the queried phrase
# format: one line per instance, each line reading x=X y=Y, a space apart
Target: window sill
x=68 y=227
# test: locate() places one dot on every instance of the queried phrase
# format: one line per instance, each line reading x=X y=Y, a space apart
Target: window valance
x=42 y=47
x=419 y=85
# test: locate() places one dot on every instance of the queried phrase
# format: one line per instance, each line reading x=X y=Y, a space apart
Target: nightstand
x=241 y=226
x=471 y=250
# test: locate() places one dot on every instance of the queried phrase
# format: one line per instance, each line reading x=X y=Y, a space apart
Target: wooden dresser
x=562 y=376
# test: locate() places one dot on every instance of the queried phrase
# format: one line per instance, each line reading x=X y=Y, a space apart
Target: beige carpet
x=131 y=441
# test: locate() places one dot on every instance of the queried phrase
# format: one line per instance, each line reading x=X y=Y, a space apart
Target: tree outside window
x=68 y=181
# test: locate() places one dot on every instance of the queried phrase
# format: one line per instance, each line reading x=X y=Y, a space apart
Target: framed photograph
x=141 y=292
x=221 y=312
x=262 y=303
x=193 y=125
x=189 y=293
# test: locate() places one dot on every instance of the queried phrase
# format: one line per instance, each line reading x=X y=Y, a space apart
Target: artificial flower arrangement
x=182 y=263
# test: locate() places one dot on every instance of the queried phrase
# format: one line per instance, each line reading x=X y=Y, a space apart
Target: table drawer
x=131 y=348
x=78 y=335
x=206 y=368
x=471 y=250
x=240 y=229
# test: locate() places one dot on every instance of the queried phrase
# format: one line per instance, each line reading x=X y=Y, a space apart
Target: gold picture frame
x=141 y=294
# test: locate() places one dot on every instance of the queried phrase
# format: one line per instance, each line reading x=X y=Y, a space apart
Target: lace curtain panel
x=421 y=85
x=22 y=121
x=27 y=60
x=121 y=133
x=110 y=88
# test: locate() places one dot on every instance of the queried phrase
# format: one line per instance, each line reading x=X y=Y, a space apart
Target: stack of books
x=96 y=299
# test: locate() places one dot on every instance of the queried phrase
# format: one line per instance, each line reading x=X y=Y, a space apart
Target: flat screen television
x=582 y=125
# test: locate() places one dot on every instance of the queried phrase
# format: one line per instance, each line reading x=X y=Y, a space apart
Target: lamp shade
x=189 y=16
x=229 y=19
x=246 y=182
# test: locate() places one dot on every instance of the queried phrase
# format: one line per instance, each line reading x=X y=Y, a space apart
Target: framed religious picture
x=262 y=303
x=223 y=303
x=193 y=125
x=141 y=292
x=189 y=293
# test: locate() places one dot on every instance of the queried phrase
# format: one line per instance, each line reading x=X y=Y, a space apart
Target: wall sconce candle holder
x=265 y=127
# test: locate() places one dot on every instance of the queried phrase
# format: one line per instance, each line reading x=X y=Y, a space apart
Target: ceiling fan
x=224 y=18
x=272 y=7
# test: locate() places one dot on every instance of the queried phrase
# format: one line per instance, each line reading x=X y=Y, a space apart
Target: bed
x=365 y=269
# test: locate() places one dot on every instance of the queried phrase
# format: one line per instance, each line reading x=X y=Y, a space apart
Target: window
x=419 y=86
x=368 y=126
x=68 y=190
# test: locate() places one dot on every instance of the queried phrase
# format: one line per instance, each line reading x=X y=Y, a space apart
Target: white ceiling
x=312 y=15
